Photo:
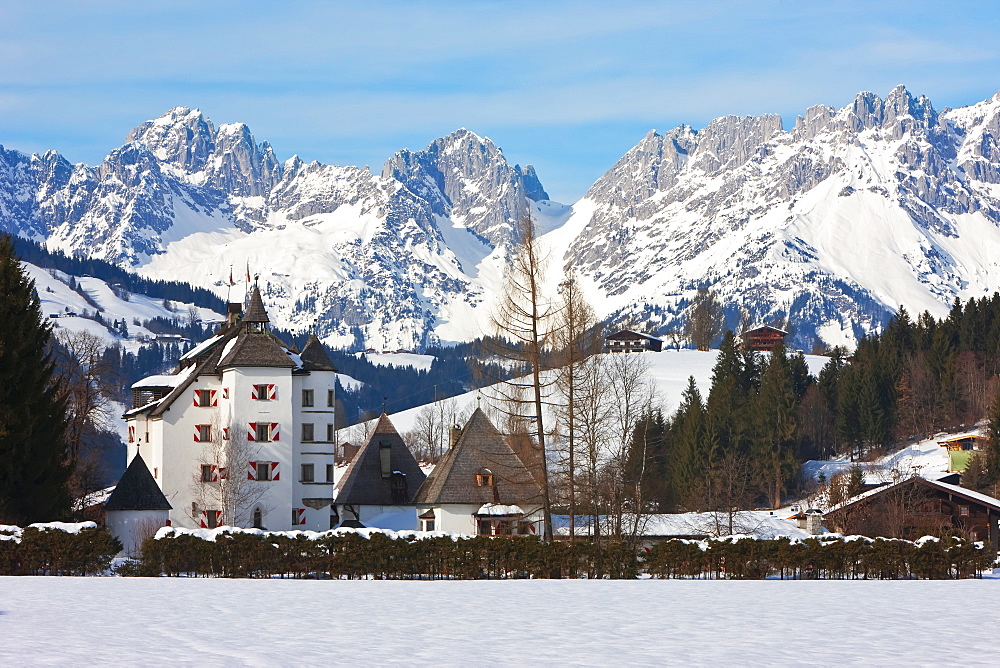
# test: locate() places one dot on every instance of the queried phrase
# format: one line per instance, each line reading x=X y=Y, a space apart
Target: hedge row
x=352 y=555
x=355 y=555
x=50 y=550
x=821 y=558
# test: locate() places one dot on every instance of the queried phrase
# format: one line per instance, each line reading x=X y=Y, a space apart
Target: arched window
x=258 y=518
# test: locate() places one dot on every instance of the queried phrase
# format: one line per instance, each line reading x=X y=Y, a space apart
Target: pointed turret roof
x=137 y=490
x=480 y=449
x=363 y=482
x=314 y=356
x=256 y=312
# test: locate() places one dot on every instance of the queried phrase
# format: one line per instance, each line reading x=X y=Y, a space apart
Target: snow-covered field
x=133 y=621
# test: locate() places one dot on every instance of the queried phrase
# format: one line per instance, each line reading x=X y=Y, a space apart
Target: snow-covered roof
x=954 y=489
x=499 y=509
x=160 y=380
x=201 y=347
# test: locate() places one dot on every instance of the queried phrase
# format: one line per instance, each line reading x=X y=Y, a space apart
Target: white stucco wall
x=132 y=527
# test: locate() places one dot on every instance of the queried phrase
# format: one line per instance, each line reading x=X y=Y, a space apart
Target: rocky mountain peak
x=182 y=137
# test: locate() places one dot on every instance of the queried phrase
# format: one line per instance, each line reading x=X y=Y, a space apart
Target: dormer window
x=484 y=478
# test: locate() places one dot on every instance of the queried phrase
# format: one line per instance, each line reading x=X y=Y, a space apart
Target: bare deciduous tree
x=576 y=339
x=228 y=488
x=88 y=385
x=522 y=323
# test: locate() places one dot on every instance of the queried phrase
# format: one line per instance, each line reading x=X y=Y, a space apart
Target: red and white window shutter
x=252 y=431
x=204 y=517
x=225 y=393
x=225 y=433
x=275 y=473
x=251 y=470
x=215 y=473
x=131 y=433
x=197 y=433
x=254 y=394
x=298 y=516
x=215 y=398
x=275 y=432
x=272 y=391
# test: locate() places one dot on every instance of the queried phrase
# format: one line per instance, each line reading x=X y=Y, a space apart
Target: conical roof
x=255 y=312
x=480 y=448
x=314 y=356
x=363 y=483
x=137 y=490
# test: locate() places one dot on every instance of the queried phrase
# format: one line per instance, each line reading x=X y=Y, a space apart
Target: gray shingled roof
x=137 y=490
x=481 y=446
x=256 y=312
x=363 y=483
x=256 y=349
x=314 y=356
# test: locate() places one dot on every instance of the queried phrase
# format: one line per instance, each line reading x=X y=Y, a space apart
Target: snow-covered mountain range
x=829 y=225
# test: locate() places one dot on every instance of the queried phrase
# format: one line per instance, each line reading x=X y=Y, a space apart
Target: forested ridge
x=743 y=445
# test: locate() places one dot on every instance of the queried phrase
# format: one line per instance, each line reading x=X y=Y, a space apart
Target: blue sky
x=566 y=86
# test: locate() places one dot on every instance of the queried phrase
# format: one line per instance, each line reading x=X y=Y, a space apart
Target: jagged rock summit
x=828 y=226
x=822 y=227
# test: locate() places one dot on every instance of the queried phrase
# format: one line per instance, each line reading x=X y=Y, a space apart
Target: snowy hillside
x=668 y=371
x=65 y=308
x=829 y=224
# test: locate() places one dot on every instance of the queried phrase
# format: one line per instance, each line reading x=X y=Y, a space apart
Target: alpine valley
x=824 y=228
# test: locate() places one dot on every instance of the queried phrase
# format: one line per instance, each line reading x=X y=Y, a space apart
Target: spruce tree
x=33 y=467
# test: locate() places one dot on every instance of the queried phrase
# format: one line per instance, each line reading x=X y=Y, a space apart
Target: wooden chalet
x=762 y=339
x=964 y=442
x=961 y=449
x=918 y=507
x=628 y=341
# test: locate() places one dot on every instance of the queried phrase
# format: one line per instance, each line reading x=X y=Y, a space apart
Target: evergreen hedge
x=49 y=550
x=348 y=554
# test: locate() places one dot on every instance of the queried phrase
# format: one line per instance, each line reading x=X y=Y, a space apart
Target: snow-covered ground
x=145 y=621
x=925 y=458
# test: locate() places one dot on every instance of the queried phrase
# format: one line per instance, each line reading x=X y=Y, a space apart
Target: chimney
x=233 y=312
x=385 y=458
x=456 y=434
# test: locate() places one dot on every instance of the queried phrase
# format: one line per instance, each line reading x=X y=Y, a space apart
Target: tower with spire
x=242 y=432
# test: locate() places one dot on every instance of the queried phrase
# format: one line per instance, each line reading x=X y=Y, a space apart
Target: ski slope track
x=824 y=228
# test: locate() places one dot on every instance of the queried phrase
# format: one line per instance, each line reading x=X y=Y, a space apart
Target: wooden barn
x=918 y=507
x=762 y=339
x=628 y=341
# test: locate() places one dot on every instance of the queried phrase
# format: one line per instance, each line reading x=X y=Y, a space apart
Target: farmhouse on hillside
x=480 y=486
x=916 y=507
x=628 y=341
x=242 y=432
x=379 y=486
x=762 y=339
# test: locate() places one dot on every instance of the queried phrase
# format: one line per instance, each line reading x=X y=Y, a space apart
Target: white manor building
x=242 y=433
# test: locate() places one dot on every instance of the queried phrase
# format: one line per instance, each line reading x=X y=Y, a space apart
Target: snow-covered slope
x=667 y=371
x=65 y=308
x=829 y=225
